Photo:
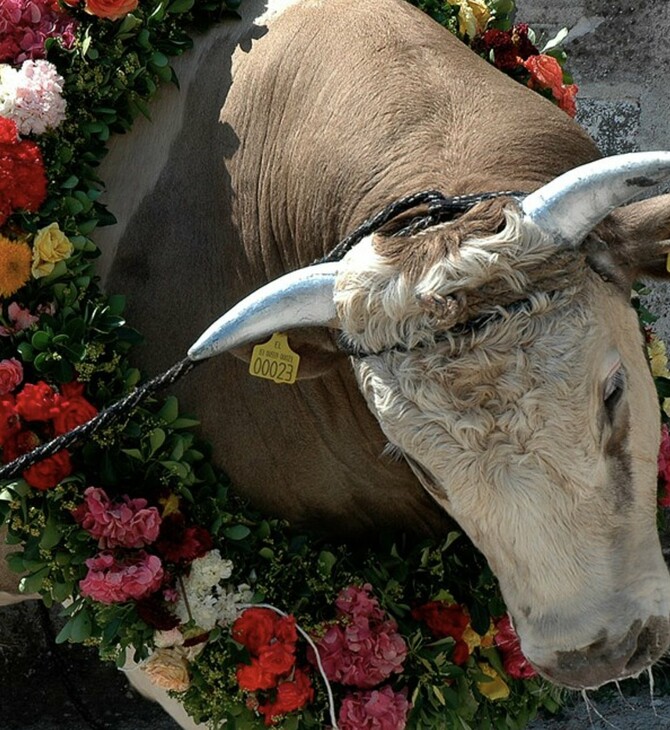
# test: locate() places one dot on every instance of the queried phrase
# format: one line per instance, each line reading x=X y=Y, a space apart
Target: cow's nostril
x=651 y=642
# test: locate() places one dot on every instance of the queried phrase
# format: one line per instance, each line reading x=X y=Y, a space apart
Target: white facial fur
x=508 y=429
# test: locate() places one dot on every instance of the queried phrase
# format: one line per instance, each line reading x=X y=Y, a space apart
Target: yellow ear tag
x=275 y=360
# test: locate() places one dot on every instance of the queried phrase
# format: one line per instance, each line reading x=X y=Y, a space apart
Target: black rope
x=105 y=418
x=440 y=208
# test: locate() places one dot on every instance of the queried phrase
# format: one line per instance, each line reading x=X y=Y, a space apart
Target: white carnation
x=32 y=96
x=208 y=600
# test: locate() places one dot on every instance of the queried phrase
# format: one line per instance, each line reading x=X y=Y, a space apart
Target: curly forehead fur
x=381 y=292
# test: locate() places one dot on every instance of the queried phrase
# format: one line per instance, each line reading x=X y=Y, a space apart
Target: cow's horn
x=569 y=207
x=303 y=298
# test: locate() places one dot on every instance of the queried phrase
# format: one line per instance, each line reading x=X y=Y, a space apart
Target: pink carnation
x=381 y=709
x=112 y=581
x=664 y=468
x=129 y=524
x=365 y=648
x=11 y=375
x=25 y=26
x=32 y=96
x=20 y=319
x=507 y=641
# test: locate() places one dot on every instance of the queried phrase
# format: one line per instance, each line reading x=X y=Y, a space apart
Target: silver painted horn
x=571 y=206
x=302 y=298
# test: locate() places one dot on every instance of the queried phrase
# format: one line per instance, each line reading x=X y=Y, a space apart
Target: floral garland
x=407 y=634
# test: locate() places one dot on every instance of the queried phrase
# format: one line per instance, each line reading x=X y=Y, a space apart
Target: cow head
x=502 y=358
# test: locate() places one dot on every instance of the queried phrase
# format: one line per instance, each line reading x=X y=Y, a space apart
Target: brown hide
x=335 y=109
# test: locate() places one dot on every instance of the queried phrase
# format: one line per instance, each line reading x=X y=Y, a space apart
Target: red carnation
x=291 y=696
x=180 y=544
x=36 y=402
x=546 y=73
x=23 y=180
x=252 y=677
x=48 y=472
x=254 y=629
x=443 y=619
x=507 y=641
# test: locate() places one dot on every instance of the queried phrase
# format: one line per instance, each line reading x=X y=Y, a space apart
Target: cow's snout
x=607 y=659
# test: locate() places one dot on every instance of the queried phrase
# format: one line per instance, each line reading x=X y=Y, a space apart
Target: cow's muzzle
x=606 y=660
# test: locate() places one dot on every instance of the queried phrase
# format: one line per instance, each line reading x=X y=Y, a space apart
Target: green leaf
x=156 y=440
x=180 y=6
x=40 y=340
x=51 y=534
x=170 y=410
x=33 y=582
x=326 y=562
x=81 y=627
x=237 y=532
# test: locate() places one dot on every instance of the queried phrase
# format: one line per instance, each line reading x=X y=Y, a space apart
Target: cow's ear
x=316 y=346
x=642 y=238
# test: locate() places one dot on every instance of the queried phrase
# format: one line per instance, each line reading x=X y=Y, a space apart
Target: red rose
x=291 y=696
x=49 y=472
x=18 y=444
x=72 y=412
x=252 y=677
x=546 y=73
x=9 y=420
x=111 y=9
x=254 y=629
x=442 y=619
x=276 y=659
x=461 y=653
x=36 y=401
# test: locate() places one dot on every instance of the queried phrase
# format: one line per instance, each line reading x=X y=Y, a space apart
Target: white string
x=306 y=637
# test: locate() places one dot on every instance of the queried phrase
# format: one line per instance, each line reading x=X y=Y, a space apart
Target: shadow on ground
x=34 y=681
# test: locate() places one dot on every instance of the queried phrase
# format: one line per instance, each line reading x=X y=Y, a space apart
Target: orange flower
x=110 y=9
x=546 y=73
x=15 y=258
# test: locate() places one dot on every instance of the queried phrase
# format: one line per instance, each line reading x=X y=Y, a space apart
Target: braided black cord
x=440 y=207
x=105 y=418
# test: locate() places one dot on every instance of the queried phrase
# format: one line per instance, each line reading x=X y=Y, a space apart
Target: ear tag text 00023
x=275 y=360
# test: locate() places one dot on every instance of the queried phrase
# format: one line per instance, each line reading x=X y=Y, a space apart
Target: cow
x=497 y=353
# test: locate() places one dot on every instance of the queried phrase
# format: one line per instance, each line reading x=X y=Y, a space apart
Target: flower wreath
x=137 y=531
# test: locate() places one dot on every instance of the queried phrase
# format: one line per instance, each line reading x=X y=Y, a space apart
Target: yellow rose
x=167 y=668
x=496 y=688
x=50 y=246
x=658 y=358
x=473 y=16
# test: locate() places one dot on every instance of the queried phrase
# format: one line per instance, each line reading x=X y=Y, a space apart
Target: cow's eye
x=614 y=389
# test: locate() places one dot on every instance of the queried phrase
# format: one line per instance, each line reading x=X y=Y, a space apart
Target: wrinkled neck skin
x=507 y=431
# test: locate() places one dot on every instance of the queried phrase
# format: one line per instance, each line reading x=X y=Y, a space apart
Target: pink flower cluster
x=380 y=709
x=25 y=26
x=129 y=524
x=664 y=468
x=32 y=96
x=114 y=581
x=364 y=647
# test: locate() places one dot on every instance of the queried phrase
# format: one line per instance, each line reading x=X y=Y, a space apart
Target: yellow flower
x=496 y=688
x=658 y=358
x=473 y=16
x=50 y=246
x=14 y=266
x=170 y=505
x=473 y=639
x=168 y=668
x=666 y=406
